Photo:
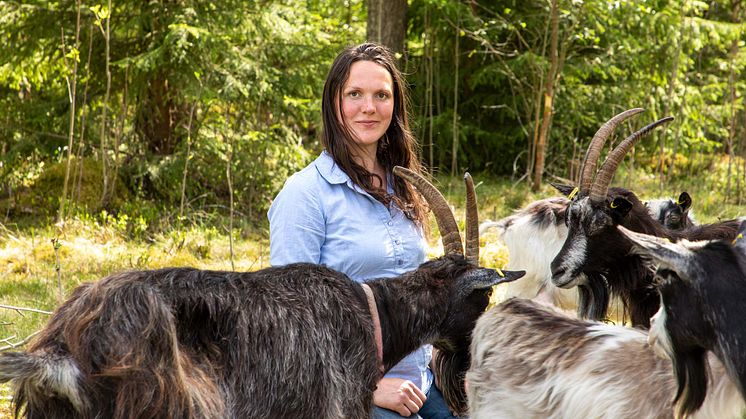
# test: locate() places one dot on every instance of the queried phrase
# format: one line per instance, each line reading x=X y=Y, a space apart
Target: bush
x=41 y=198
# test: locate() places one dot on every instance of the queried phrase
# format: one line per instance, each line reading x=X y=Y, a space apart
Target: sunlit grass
x=90 y=249
x=5 y=406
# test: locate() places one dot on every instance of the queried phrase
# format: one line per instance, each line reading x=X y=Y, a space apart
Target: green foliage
x=39 y=196
x=208 y=85
x=239 y=80
x=669 y=57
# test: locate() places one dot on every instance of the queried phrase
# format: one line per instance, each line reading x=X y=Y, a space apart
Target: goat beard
x=449 y=369
x=691 y=375
x=593 y=299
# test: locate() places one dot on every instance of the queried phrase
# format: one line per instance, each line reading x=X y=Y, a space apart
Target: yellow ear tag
x=499 y=272
x=613 y=205
x=738 y=237
x=573 y=193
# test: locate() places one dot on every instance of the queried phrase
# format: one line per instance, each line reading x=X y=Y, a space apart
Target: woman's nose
x=368 y=105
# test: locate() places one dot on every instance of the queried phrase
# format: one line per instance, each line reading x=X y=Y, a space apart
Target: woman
x=347 y=211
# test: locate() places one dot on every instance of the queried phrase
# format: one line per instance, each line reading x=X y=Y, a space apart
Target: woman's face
x=368 y=103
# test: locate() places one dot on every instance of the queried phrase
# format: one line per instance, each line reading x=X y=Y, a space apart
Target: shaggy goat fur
x=292 y=341
x=531 y=361
x=702 y=289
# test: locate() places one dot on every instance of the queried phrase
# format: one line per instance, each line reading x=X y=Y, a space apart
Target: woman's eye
x=354 y=94
x=383 y=95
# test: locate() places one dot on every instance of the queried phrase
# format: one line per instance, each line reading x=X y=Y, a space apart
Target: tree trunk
x=454 y=150
x=677 y=136
x=77 y=182
x=672 y=81
x=158 y=116
x=387 y=23
x=548 y=99
x=71 y=85
x=104 y=111
x=187 y=158
x=229 y=177
x=119 y=134
x=733 y=98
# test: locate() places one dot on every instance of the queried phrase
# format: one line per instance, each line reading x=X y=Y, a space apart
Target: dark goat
x=595 y=257
x=283 y=342
x=674 y=215
x=702 y=289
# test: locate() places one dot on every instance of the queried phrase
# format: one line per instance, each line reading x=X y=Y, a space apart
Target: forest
x=192 y=109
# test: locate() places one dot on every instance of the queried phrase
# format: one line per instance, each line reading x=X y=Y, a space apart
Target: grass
x=92 y=247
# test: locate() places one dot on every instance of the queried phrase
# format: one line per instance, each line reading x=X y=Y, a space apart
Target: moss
x=42 y=198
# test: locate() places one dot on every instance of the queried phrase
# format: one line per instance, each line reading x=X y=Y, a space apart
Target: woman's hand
x=401 y=396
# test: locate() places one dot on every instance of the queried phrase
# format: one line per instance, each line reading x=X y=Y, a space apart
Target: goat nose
x=558 y=272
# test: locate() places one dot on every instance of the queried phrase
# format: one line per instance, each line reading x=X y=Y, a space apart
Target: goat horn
x=597 y=144
x=438 y=204
x=606 y=173
x=472 y=221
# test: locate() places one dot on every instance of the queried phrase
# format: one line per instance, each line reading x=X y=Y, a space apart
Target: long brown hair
x=398 y=146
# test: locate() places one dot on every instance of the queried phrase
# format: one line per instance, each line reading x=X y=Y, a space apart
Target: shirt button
x=390 y=223
x=397 y=241
x=399 y=262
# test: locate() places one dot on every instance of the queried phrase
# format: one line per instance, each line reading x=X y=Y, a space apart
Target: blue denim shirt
x=321 y=216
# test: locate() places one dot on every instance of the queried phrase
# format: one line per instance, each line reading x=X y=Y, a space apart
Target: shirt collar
x=329 y=170
x=333 y=174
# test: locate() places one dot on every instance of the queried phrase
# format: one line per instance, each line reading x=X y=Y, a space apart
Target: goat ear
x=620 y=207
x=684 y=201
x=661 y=250
x=740 y=241
x=483 y=278
x=564 y=189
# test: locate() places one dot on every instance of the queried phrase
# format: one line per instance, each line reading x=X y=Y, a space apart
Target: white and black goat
x=675 y=215
x=530 y=361
x=702 y=288
x=595 y=256
x=535 y=234
x=283 y=342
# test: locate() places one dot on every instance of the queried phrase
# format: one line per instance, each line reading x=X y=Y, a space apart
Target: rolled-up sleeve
x=296 y=224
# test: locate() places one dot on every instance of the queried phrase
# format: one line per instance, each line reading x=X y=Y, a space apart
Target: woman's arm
x=296 y=224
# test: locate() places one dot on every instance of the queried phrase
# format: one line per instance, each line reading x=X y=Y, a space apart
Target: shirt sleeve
x=296 y=224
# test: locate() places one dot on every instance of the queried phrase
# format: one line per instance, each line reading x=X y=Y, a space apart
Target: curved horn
x=472 y=221
x=597 y=144
x=606 y=173
x=443 y=214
